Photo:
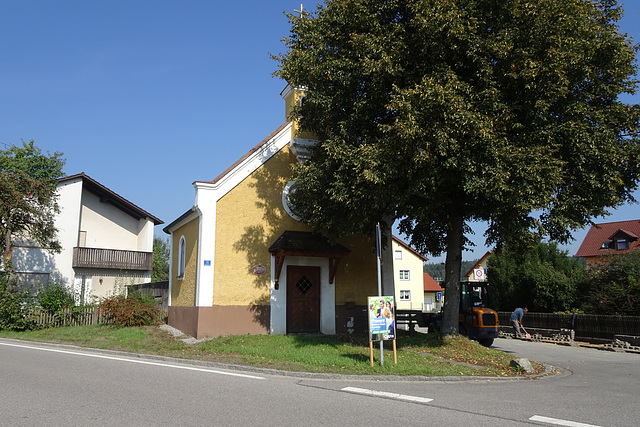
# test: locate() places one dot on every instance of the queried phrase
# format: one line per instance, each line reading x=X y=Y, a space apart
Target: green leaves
x=442 y=112
x=28 y=199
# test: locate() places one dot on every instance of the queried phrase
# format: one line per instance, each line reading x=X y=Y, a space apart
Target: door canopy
x=305 y=243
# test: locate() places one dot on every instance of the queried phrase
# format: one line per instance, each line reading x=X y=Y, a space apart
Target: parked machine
x=476 y=320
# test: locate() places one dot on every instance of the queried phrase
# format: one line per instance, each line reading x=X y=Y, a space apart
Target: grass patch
x=420 y=354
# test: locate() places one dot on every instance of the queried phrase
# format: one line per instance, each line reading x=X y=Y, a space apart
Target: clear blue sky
x=148 y=96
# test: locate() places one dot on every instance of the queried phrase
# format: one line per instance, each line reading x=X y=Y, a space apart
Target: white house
x=107 y=243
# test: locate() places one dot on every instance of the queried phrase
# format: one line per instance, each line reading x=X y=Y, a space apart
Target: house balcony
x=112 y=259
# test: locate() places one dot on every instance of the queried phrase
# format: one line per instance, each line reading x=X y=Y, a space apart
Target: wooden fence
x=159 y=290
x=76 y=316
x=91 y=315
x=584 y=325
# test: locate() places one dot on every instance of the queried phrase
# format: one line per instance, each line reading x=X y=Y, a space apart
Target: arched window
x=182 y=255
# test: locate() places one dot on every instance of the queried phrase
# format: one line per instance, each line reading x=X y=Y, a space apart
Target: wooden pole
x=395 y=353
x=371 y=352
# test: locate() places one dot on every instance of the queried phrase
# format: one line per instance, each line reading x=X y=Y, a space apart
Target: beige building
x=107 y=243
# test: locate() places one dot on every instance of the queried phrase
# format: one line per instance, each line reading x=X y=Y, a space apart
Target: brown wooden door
x=303 y=299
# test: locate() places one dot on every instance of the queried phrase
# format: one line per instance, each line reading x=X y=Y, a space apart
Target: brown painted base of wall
x=352 y=319
x=211 y=322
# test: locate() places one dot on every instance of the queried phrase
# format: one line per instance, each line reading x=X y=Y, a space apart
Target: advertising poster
x=382 y=325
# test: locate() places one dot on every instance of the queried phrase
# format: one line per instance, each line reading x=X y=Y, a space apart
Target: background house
x=107 y=243
x=609 y=238
x=478 y=272
x=408 y=267
x=433 y=294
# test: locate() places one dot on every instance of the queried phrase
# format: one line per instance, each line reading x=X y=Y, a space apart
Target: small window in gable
x=397 y=254
x=622 y=245
x=605 y=244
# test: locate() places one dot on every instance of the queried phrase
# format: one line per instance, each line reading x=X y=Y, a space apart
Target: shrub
x=13 y=307
x=60 y=302
x=122 y=311
x=55 y=298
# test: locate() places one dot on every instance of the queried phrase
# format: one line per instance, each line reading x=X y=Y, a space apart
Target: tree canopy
x=543 y=278
x=614 y=286
x=443 y=112
x=28 y=199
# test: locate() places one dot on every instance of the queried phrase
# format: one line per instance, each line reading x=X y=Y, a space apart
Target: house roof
x=409 y=248
x=599 y=233
x=430 y=285
x=182 y=217
x=109 y=196
x=249 y=153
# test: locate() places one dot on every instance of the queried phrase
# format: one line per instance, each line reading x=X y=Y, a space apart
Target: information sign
x=382 y=325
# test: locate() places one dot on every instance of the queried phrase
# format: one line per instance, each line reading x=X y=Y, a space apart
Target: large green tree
x=543 y=278
x=443 y=112
x=28 y=199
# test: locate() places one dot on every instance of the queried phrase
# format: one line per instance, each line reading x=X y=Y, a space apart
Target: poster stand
x=382 y=325
x=395 y=353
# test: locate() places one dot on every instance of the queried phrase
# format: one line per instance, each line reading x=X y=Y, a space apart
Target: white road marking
x=558 y=422
x=386 y=394
x=143 y=362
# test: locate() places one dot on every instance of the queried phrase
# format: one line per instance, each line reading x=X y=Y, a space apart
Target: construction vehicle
x=476 y=321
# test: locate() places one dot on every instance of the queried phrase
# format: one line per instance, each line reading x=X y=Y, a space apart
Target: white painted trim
x=207 y=196
x=289 y=89
x=279 y=297
x=207 y=227
x=170 y=268
x=245 y=168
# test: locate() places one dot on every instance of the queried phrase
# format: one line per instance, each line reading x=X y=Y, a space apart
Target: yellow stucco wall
x=357 y=275
x=183 y=291
x=249 y=220
x=291 y=102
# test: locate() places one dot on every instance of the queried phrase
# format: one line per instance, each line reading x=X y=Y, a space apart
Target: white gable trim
x=246 y=167
x=207 y=196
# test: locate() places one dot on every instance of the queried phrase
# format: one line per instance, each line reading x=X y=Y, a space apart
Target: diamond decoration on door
x=303 y=285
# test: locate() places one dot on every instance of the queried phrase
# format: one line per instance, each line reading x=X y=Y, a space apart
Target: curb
x=550 y=371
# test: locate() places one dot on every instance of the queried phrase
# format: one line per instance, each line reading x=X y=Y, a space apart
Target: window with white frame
x=404 y=275
x=397 y=254
x=182 y=255
x=405 y=295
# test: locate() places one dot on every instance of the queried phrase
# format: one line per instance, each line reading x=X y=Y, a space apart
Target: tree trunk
x=8 y=252
x=453 y=263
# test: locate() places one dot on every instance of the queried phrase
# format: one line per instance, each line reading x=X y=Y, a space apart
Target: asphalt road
x=48 y=385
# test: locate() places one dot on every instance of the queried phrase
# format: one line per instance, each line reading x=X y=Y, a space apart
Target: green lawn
x=420 y=354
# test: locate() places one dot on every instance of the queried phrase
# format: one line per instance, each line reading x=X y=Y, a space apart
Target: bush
x=614 y=286
x=122 y=311
x=55 y=298
x=13 y=307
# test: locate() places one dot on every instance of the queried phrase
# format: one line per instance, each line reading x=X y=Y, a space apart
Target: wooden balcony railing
x=112 y=259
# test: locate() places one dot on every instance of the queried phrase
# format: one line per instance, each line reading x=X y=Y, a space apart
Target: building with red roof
x=609 y=238
x=433 y=294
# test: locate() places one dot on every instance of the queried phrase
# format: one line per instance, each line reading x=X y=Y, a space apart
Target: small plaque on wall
x=258 y=269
